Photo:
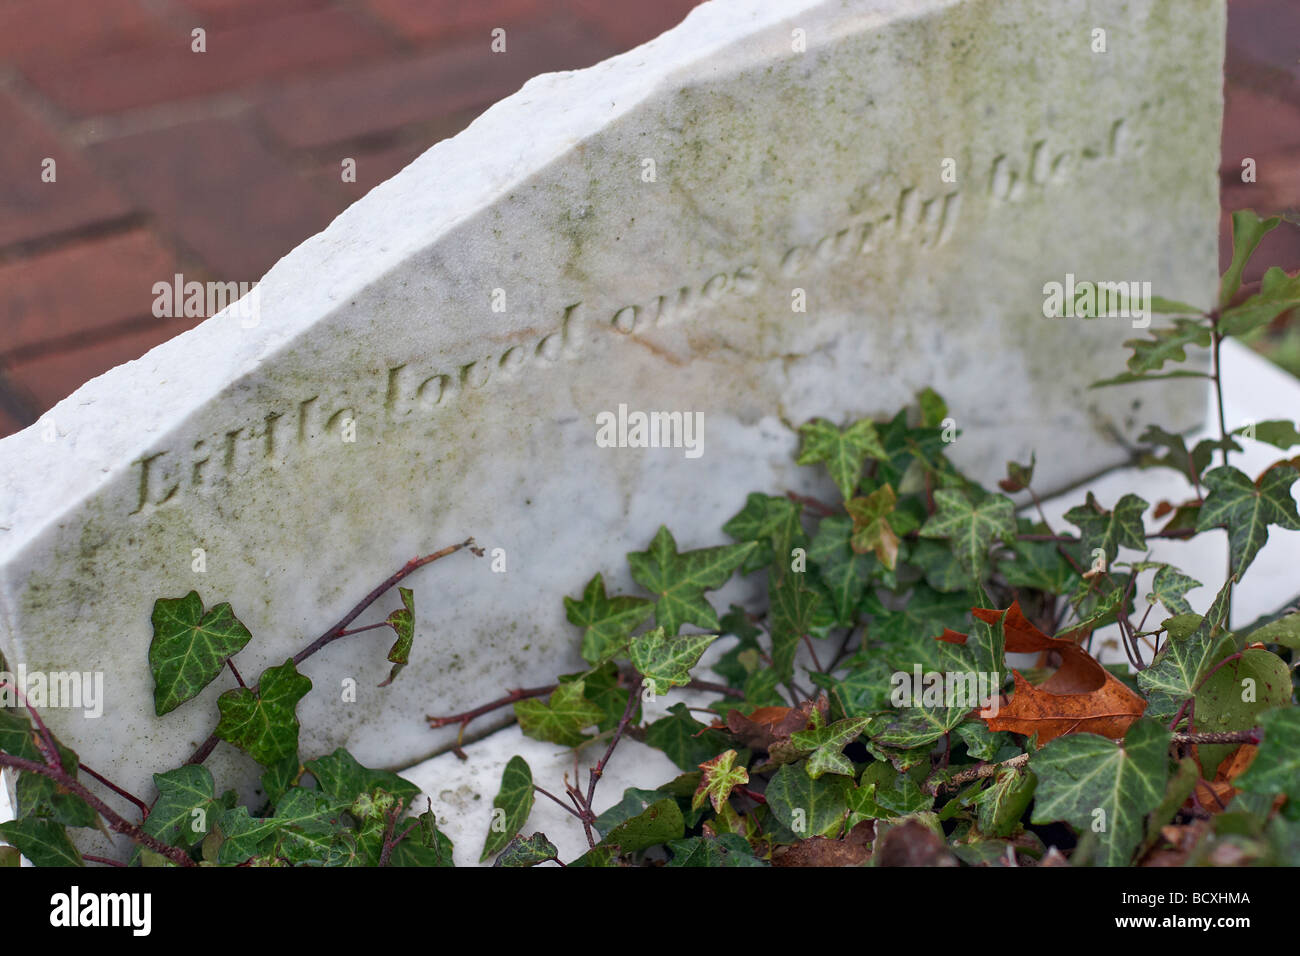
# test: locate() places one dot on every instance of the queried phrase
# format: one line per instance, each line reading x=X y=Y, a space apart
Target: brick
x=371 y=100
x=1256 y=124
x=47 y=379
x=1265 y=33
x=425 y=21
x=216 y=189
x=373 y=167
x=65 y=31
x=627 y=25
x=80 y=289
x=13 y=417
x=224 y=13
x=236 y=57
x=31 y=209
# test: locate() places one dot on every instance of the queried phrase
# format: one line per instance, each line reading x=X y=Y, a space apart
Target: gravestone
x=633 y=238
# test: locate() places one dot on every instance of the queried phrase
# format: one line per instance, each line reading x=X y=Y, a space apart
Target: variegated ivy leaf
x=773 y=522
x=680 y=580
x=971 y=525
x=560 y=720
x=608 y=621
x=843 y=450
x=1276 y=768
x=527 y=852
x=1168 y=587
x=402 y=621
x=510 y=809
x=665 y=662
x=871 y=528
x=1246 y=509
x=264 y=723
x=1109 y=530
x=718 y=778
x=1178 y=669
x=825 y=746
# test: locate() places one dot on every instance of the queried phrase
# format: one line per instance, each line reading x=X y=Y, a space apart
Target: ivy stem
x=563 y=806
x=121 y=792
x=115 y=822
x=230 y=662
x=594 y=775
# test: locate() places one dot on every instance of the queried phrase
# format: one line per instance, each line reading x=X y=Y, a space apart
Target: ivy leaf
x=971 y=526
x=926 y=614
x=666 y=662
x=1222 y=704
x=826 y=745
x=308 y=824
x=190 y=647
x=871 y=529
x=1278 y=293
x=1000 y=807
x=683 y=739
x=514 y=801
x=843 y=451
x=402 y=621
x=265 y=723
x=633 y=803
x=426 y=845
x=1178 y=669
x=343 y=778
x=608 y=621
x=680 y=580
x=789 y=619
x=844 y=573
x=1247 y=230
x=1018 y=476
x=1247 y=509
x=186 y=807
x=562 y=719
x=1038 y=565
x=774 y=523
x=658 y=823
x=1109 y=530
x=38 y=795
x=1167 y=344
x=42 y=840
x=246 y=836
x=1276 y=767
x=805 y=806
x=527 y=852
x=1284 y=631
x=1168 y=587
x=1279 y=433
x=726 y=850
x=718 y=778
x=933 y=408
x=1100 y=786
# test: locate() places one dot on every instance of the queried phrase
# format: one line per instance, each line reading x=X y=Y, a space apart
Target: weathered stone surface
x=774 y=171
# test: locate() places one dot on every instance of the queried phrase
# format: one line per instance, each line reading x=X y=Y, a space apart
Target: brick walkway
x=216 y=165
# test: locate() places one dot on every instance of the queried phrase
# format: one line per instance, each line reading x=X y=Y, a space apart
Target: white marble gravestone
x=637 y=234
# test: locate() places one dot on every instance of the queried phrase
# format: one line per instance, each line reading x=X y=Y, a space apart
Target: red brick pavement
x=217 y=164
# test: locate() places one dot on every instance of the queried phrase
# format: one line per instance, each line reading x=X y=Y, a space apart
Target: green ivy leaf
x=1177 y=670
x=680 y=580
x=1038 y=565
x=633 y=803
x=190 y=647
x=562 y=719
x=666 y=662
x=1000 y=807
x=308 y=824
x=933 y=408
x=38 y=795
x=1168 y=587
x=1284 y=631
x=805 y=806
x=1246 y=510
x=1278 y=293
x=727 y=850
x=843 y=451
x=1247 y=230
x=1279 y=433
x=790 y=617
x=1100 y=786
x=1234 y=697
x=186 y=807
x=683 y=739
x=402 y=621
x=343 y=778
x=527 y=852
x=658 y=823
x=825 y=746
x=1109 y=530
x=265 y=723
x=246 y=836
x=42 y=840
x=926 y=614
x=1167 y=344
x=515 y=801
x=773 y=522
x=1189 y=464
x=843 y=572
x=718 y=778
x=426 y=845
x=1276 y=767
x=971 y=526
x=608 y=621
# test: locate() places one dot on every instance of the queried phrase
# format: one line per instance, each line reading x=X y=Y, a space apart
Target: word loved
x=1092 y=300
x=74 y=909
x=73 y=690
x=651 y=430
x=946 y=689
x=198 y=300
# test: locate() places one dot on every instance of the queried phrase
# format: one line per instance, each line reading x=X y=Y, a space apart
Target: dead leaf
x=912 y=844
x=1080 y=697
x=767 y=726
x=853 y=850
